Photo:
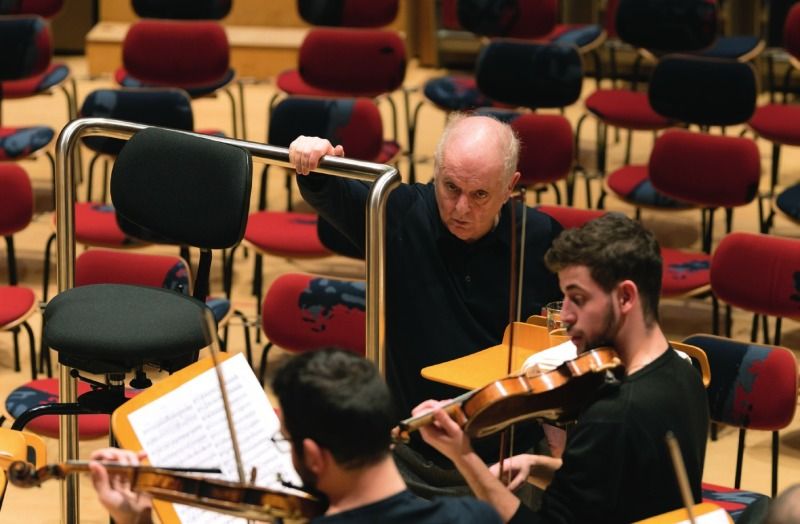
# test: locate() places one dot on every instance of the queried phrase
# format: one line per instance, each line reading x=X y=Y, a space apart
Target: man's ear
x=628 y=295
x=514 y=180
x=314 y=456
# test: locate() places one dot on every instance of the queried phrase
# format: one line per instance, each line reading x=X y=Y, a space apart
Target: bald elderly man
x=448 y=251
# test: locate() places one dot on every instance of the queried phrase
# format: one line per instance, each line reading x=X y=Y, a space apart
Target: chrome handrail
x=385 y=179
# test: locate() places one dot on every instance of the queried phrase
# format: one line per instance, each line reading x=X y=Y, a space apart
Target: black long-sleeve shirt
x=616 y=464
x=445 y=298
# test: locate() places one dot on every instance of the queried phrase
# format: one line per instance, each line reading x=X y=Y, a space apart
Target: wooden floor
x=680 y=317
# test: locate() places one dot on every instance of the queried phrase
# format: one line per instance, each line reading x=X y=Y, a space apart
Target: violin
x=554 y=396
x=170 y=485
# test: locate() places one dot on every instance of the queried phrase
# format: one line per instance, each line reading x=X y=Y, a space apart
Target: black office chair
x=168 y=188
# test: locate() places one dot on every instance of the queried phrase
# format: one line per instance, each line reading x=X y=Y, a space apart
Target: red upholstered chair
x=684 y=273
x=758 y=273
x=777 y=121
x=55 y=76
x=302 y=313
x=192 y=55
x=688 y=169
x=17 y=303
x=752 y=386
x=696 y=90
x=349 y=49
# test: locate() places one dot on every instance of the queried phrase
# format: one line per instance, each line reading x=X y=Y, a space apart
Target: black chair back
x=668 y=25
x=169 y=187
x=530 y=75
x=704 y=91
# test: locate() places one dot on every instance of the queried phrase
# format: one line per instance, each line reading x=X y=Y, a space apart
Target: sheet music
x=187 y=427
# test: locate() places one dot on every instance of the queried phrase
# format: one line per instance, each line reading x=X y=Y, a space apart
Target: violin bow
x=516 y=275
x=211 y=335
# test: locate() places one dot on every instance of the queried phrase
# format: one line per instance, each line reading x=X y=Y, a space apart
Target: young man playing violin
x=616 y=466
x=337 y=416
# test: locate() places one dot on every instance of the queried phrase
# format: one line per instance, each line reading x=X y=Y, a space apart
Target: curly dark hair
x=614 y=248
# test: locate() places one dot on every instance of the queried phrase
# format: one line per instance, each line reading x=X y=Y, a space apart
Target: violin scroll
x=24 y=475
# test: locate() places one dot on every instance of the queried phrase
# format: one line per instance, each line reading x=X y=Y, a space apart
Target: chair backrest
x=697 y=90
x=43 y=8
x=752 y=385
x=303 y=313
x=350 y=50
x=529 y=74
x=348 y=13
x=791 y=31
x=104 y=266
x=509 y=18
x=758 y=273
x=27 y=46
x=162 y=107
x=546 y=148
x=611 y=18
x=173 y=188
x=179 y=53
x=182 y=9
x=668 y=25
x=16 y=199
x=706 y=170
x=354 y=123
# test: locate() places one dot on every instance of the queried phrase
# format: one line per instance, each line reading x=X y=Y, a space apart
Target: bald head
x=474 y=173
x=479 y=136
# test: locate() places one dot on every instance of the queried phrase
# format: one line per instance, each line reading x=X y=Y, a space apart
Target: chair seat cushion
x=684 y=272
x=625 y=109
x=632 y=184
x=292 y=83
x=732 y=47
x=15 y=303
x=45 y=391
x=778 y=123
x=19 y=142
x=788 y=201
x=736 y=502
x=455 y=93
x=32 y=85
x=123 y=324
x=125 y=79
x=96 y=224
x=285 y=234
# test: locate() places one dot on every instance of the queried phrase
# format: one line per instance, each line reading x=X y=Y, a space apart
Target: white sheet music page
x=188 y=427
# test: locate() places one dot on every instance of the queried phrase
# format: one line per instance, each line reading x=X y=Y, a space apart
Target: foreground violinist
x=616 y=466
x=337 y=417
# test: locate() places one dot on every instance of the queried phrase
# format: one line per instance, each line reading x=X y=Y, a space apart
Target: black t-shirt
x=616 y=465
x=405 y=507
x=445 y=298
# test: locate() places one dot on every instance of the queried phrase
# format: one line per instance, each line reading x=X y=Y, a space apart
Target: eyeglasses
x=283 y=444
